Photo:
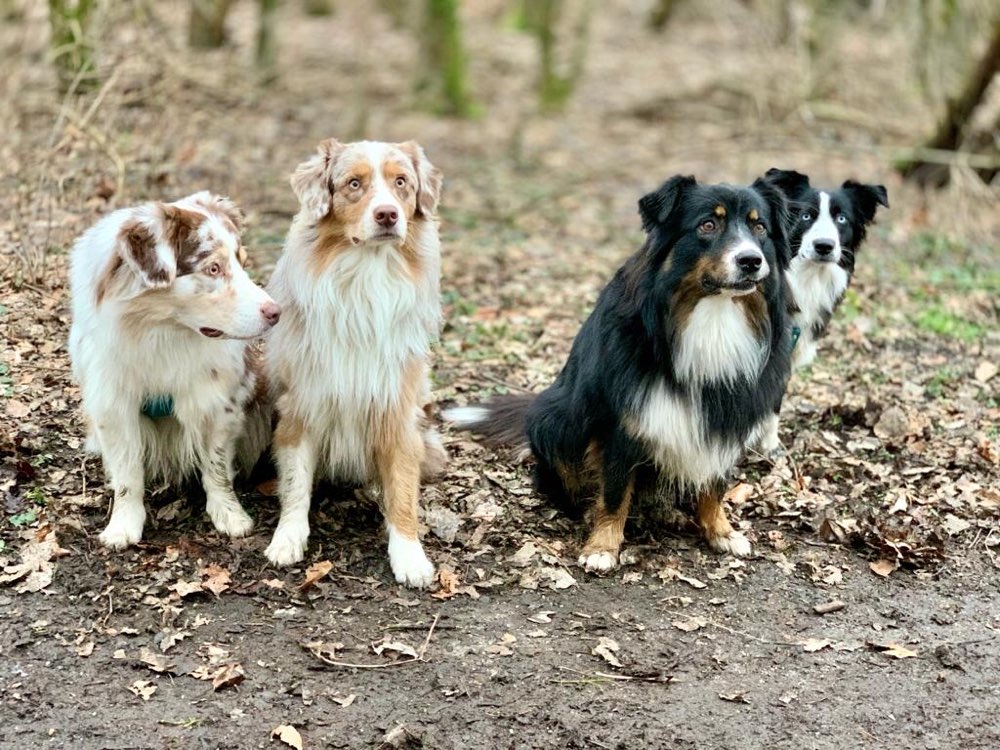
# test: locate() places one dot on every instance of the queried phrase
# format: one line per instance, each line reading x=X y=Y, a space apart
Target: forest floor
x=886 y=501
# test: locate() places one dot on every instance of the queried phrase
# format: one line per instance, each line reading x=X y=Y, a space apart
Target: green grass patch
x=940 y=381
x=935 y=319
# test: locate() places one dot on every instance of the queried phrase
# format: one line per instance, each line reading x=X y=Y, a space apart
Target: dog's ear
x=429 y=179
x=867 y=198
x=311 y=179
x=222 y=205
x=790 y=182
x=655 y=208
x=141 y=245
x=781 y=217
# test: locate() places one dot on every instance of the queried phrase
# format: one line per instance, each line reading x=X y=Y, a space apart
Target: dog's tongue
x=212 y=333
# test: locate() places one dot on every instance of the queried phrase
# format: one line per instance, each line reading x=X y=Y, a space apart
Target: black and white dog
x=677 y=367
x=828 y=227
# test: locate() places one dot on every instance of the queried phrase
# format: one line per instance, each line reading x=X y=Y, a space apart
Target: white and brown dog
x=348 y=365
x=164 y=316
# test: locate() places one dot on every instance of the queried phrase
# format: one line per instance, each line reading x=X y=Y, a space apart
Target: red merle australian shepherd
x=675 y=369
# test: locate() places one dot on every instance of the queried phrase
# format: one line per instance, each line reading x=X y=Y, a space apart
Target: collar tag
x=158 y=407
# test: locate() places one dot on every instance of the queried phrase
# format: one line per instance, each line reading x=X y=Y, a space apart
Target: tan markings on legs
x=607 y=533
x=719 y=533
x=288 y=432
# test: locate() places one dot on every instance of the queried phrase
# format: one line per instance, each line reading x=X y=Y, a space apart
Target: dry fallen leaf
x=985 y=370
x=398 y=646
x=815 y=644
x=895 y=650
x=739 y=494
x=36 y=568
x=314 y=573
x=289 y=735
x=882 y=567
x=449 y=580
x=228 y=675
x=186 y=588
x=691 y=624
x=156 y=662
x=85 y=649
x=215 y=578
x=606 y=648
x=735 y=697
x=143 y=688
x=345 y=702
x=542 y=617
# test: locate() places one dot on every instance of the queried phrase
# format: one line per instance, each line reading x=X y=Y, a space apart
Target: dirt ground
x=886 y=501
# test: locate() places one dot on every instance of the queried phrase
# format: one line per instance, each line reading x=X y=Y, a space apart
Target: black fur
x=579 y=428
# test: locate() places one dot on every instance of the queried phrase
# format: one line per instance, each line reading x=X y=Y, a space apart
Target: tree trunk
x=541 y=18
x=71 y=46
x=958 y=111
x=443 y=79
x=207 y=23
x=266 y=54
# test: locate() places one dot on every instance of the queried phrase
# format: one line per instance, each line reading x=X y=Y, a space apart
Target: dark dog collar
x=158 y=407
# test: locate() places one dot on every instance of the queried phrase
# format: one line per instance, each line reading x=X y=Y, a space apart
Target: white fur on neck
x=816 y=288
x=717 y=344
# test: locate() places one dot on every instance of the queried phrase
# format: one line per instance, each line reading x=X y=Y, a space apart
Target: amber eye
x=214 y=270
x=707 y=227
x=400 y=181
x=759 y=229
x=354 y=184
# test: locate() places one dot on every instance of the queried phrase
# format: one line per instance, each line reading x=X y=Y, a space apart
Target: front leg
x=399 y=451
x=295 y=452
x=719 y=533
x=620 y=458
x=119 y=435
x=217 y=474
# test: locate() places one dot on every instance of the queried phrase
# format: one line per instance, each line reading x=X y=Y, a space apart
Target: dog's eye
x=707 y=227
x=400 y=181
x=214 y=270
x=354 y=184
x=806 y=216
x=759 y=229
x=841 y=218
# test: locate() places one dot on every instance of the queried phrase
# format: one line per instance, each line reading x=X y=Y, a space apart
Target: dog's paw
x=409 y=562
x=288 y=545
x=123 y=530
x=229 y=518
x=602 y=561
x=734 y=543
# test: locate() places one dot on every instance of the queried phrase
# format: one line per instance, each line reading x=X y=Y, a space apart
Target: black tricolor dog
x=828 y=227
x=684 y=355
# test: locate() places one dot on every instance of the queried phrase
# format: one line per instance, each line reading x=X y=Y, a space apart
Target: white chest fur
x=717 y=345
x=816 y=288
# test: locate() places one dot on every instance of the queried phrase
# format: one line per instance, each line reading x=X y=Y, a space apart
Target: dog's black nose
x=823 y=247
x=749 y=261
x=386 y=216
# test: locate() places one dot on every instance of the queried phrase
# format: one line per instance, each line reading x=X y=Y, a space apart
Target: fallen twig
x=383 y=665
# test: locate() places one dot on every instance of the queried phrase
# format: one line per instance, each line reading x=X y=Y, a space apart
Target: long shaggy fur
x=672 y=372
x=162 y=308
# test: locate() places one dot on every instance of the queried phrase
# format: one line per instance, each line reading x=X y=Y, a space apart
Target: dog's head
x=716 y=239
x=188 y=267
x=829 y=225
x=371 y=191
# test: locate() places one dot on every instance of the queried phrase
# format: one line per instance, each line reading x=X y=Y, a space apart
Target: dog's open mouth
x=212 y=333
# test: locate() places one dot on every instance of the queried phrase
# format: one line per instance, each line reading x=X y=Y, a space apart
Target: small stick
x=404 y=662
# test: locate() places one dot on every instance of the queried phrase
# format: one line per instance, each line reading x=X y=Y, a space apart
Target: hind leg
x=719 y=533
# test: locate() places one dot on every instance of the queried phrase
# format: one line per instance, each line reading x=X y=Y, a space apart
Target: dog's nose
x=749 y=261
x=823 y=247
x=271 y=312
x=386 y=216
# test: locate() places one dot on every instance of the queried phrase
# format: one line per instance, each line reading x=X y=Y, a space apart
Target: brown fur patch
x=753 y=214
x=608 y=530
x=711 y=515
x=755 y=310
x=289 y=432
x=139 y=244
x=720 y=211
x=429 y=179
x=690 y=290
x=331 y=241
x=107 y=278
x=398 y=450
x=180 y=228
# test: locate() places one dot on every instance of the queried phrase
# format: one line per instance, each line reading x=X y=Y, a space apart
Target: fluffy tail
x=501 y=422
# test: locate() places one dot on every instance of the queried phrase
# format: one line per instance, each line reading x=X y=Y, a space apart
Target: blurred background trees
x=955 y=51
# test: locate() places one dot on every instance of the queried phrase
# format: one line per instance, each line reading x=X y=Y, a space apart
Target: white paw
x=288 y=545
x=229 y=518
x=769 y=442
x=409 y=562
x=599 y=562
x=734 y=544
x=124 y=528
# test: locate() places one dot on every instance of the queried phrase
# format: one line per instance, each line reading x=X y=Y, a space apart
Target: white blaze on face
x=823 y=230
x=735 y=275
x=381 y=194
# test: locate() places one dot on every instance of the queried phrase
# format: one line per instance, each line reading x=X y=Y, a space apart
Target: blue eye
x=841 y=218
x=806 y=216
